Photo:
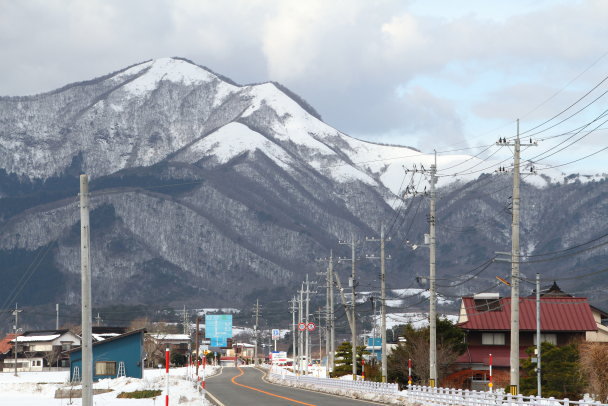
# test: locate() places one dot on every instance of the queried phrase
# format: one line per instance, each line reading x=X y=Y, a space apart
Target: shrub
x=139 y=394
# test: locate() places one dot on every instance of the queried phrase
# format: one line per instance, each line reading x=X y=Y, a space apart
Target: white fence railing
x=459 y=397
x=363 y=386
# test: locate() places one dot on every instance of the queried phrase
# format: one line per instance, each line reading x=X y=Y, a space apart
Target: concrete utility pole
x=57 y=316
x=383 y=258
x=256 y=309
x=538 y=338
x=198 y=323
x=15 y=328
x=319 y=313
x=86 y=315
x=329 y=312
x=331 y=357
x=306 y=317
x=300 y=332
x=293 y=328
x=432 y=282
x=353 y=285
x=515 y=258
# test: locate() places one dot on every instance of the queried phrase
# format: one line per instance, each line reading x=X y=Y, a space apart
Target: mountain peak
x=175 y=70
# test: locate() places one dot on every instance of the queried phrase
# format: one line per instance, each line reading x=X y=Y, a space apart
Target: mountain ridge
x=228 y=188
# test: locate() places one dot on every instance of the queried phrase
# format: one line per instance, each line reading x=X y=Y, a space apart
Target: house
x=122 y=355
x=242 y=350
x=177 y=343
x=39 y=349
x=486 y=319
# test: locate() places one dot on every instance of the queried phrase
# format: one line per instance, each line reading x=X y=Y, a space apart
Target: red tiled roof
x=480 y=354
x=5 y=343
x=556 y=314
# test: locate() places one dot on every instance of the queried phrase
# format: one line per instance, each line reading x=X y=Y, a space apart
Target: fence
x=363 y=386
x=458 y=397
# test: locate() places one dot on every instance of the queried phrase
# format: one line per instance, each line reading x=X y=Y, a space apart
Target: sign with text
x=218 y=328
x=276 y=334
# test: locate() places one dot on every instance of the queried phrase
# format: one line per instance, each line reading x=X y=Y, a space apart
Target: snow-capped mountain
x=173 y=110
x=205 y=188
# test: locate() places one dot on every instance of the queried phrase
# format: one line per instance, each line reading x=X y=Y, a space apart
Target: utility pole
x=329 y=313
x=515 y=258
x=432 y=284
x=293 y=328
x=300 y=335
x=383 y=258
x=538 y=339
x=57 y=316
x=306 y=332
x=331 y=357
x=319 y=312
x=198 y=322
x=98 y=320
x=86 y=316
x=256 y=309
x=15 y=328
x=353 y=286
x=431 y=243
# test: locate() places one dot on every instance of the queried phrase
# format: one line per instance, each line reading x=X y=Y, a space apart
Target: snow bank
x=38 y=388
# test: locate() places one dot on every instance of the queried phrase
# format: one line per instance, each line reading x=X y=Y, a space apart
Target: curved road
x=245 y=387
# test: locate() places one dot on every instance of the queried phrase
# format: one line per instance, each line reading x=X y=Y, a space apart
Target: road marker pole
x=409 y=371
x=490 y=384
x=167 y=356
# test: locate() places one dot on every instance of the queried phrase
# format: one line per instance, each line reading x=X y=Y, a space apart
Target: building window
x=493 y=339
x=550 y=338
x=66 y=346
x=105 y=368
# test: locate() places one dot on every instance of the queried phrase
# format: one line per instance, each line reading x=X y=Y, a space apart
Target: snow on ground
x=417 y=320
x=38 y=388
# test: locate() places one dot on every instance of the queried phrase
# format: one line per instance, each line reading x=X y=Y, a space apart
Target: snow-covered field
x=38 y=388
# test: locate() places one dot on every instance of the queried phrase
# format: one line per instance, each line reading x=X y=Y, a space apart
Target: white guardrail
x=363 y=386
x=459 y=397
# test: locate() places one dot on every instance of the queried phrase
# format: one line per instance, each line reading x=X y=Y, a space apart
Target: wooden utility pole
x=86 y=315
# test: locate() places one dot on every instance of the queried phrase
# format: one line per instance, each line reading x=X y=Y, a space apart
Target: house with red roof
x=486 y=319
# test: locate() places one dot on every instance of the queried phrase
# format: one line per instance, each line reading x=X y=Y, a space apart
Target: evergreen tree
x=344 y=364
x=561 y=376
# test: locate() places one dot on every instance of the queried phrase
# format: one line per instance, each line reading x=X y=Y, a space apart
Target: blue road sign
x=218 y=326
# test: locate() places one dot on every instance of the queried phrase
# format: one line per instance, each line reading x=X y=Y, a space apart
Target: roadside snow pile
x=39 y=388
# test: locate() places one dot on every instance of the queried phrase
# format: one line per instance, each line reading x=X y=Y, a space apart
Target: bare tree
x=593 y=361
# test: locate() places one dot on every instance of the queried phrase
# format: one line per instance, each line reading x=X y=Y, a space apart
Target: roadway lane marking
x=217 y=402
x=264 y=392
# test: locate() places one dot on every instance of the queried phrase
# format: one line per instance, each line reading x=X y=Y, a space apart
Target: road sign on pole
x=301 y=326
x=311 y=326
x=276 y=334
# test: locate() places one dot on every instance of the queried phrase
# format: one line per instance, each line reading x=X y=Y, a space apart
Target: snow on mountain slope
x=232 y=140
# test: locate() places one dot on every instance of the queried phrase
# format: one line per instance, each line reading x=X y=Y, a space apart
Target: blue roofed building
x=122 y=355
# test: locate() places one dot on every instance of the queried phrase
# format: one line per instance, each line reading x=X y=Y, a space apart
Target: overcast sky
x=433 y=74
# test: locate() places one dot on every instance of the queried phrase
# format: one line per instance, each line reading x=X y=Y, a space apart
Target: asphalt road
x=245 y=387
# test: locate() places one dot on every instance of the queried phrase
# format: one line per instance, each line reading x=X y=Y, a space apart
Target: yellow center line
x=264 y=392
